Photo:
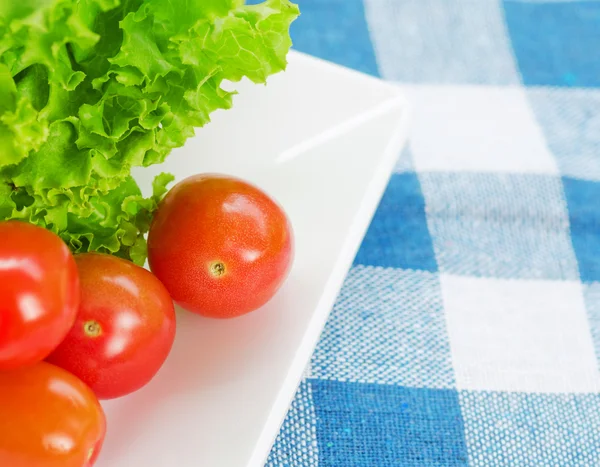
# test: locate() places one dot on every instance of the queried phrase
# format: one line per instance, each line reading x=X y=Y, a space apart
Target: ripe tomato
x=221 y=246
x=49 y=419
x=124 y=329
x=39 y=293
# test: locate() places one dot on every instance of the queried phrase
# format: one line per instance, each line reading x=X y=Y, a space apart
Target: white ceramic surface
x=322 y=140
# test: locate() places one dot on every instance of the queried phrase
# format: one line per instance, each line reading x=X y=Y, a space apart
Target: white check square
x=527 y=336
x=297 y=440
x=438 y=41
x=591 y=293
x=476 y=129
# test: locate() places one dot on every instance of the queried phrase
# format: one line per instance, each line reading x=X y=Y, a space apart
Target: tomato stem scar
x=92 y=328
x=217 y=269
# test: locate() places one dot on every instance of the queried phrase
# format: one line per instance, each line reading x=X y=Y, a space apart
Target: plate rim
x=351 y=243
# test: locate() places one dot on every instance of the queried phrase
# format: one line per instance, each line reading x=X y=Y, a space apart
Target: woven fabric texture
x=468 y=329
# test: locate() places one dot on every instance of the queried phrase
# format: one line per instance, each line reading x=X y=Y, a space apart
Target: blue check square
x=398 y=236
x=335 y=30
x=583 y=198
x=373 y=425
x=556 y=43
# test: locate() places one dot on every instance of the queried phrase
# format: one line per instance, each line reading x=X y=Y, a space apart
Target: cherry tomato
x=124 y=329
x=221 y=246
x=39 y=293
x=49 y=419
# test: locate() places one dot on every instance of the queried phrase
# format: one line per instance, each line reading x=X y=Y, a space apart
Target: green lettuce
x=91 y=88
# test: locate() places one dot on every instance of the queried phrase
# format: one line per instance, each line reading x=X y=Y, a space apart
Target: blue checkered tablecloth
x=468 y=329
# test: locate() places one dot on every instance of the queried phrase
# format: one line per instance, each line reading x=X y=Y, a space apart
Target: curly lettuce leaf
x=90 y=89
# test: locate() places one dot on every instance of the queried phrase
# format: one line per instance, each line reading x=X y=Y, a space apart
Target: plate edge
x=343 y=70
x=360 y=224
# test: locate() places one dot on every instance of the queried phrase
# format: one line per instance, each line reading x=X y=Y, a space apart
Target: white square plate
x=323 y=141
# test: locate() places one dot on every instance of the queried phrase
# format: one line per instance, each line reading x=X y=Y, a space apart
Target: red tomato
x=39 y=293
x=49 y=419
x=124 y=329
x=221 y=246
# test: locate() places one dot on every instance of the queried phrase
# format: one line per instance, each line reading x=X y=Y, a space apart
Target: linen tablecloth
x=468 y=329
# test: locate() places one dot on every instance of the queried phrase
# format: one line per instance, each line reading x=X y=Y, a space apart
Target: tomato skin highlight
x=221 y=246
x=124 y=330
x=39 y=293
x=49 y=419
